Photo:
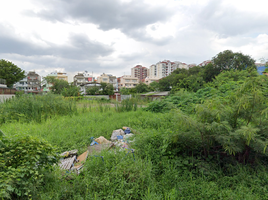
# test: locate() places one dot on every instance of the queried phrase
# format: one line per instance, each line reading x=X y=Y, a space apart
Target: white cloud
x=113 y=36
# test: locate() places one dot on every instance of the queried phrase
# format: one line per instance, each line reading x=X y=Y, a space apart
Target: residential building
x=31 y=83
x=108 y=78
x=83 y=78
x=139 y=72
x=204 y=63
x=128 y=81
x=163 y=69
x=62 y=76
x=149 y=80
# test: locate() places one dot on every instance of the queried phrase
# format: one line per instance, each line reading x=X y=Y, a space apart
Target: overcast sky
x=112 y=36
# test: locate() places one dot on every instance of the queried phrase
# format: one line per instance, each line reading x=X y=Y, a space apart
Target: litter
x=120 y=137
x=71 y=162
x=69 y=153
x=93 y=142
x=102 y=140
x=117 y=133
x=80 y=162
x=127 y=131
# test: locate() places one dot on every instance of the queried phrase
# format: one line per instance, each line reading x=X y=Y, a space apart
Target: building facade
x=139 y=72
x=83 y=78
x=108 y=78
x=128 y=81
x=31 y=83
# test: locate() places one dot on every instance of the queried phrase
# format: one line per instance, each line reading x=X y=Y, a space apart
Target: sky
x=112 y=36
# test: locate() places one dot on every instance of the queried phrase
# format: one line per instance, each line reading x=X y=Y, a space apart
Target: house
x=128 y=81
x=83 y=78
x=30 y=84
x=108 y=78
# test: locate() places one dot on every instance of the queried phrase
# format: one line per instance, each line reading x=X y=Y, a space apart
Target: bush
x=22 y=161
x=159 y=106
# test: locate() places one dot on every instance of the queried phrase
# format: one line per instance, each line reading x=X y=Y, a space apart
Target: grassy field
x=161 y=168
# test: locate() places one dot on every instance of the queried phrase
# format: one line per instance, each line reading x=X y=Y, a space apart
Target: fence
x=7 y=91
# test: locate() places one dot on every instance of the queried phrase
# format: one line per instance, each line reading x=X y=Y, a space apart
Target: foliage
x=124 y=91
x=58 y=86
x=92 y=90
x=227 y=60
x=154 y=86
x=71 y=91
x=22 y=163
x=106 y=89
x=10 y=72
x=208 y=144
x=210 y=72
x=142 y=87
x=159 y=106
x=36 y=108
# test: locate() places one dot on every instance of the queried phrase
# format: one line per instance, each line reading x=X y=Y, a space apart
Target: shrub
x=22 y=160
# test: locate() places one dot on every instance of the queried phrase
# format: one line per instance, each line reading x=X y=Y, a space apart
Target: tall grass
x=164 y=165
x=36 y=108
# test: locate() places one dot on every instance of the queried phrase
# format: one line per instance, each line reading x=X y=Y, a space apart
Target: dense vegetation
x=204 y=141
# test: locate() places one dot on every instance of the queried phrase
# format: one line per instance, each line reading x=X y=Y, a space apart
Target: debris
x=80 y=162
x=67 y=163
x=125 y=127
x=120 y=137
x=69 y=153
x=98 y=148
x=128 y=136
x=127 y=131
x=93 y=142
x=102 y=140
x=117 y=133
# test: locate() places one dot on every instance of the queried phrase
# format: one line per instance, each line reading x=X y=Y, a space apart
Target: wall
x=5 y=97
x=96 y=96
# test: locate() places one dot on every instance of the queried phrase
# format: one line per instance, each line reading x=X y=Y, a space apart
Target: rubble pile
x=120 y=138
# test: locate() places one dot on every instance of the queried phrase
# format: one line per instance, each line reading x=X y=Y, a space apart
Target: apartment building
x=163 y=68
x=139 y=72
x=128 y=81
x=108 y=78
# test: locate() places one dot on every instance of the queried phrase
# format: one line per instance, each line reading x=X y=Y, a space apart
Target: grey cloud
x=226 y=20
x=107 y=14
x=79 y=47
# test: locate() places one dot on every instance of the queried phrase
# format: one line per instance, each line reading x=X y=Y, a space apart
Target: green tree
x=106 y=89
x=71 y=91
x=142 y=87
x=124 y=91
x=92 y=90
x=210 y=72
x=10 y=72
x=227 y=60
x=154 y=86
